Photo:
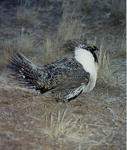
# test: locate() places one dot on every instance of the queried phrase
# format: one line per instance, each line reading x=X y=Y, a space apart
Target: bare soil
x=26 y=115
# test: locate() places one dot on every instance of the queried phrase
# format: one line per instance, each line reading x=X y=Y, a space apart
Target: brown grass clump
x=105 y=69
x=62 y=123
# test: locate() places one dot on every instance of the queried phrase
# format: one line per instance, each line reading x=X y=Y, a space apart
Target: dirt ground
x=25 y=119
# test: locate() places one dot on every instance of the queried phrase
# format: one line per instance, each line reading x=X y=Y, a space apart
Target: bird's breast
x=86 y=59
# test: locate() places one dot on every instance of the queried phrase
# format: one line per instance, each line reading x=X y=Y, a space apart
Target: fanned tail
x=26 y=72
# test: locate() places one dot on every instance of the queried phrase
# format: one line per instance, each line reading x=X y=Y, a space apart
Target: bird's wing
x=65 y=74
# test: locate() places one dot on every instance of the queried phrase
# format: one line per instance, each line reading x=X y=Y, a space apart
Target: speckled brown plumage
x=61 y=77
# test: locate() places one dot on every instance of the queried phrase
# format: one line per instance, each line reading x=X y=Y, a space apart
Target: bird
x=65 y=78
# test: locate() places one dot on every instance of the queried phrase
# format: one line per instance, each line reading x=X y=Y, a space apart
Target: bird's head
x=82 y=44
x=90 y=47
x=94 y=50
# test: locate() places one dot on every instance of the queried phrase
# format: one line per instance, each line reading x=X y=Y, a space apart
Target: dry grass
x=53 y=45
x=62 y=123
x=119 y=9
x=23 y=43
x=68 y=28
x=121 y=52
x=8 y=48
x=26 y=16
x=105 y=69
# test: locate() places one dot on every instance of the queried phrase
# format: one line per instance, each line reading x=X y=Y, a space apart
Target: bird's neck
x=86 y=59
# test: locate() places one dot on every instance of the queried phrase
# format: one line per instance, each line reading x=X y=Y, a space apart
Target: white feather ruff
x=86 y=59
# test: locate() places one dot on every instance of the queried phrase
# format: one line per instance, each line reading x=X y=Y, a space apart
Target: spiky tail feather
x=26 y=72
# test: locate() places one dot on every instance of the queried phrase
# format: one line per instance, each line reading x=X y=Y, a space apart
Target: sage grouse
x=65 y=78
